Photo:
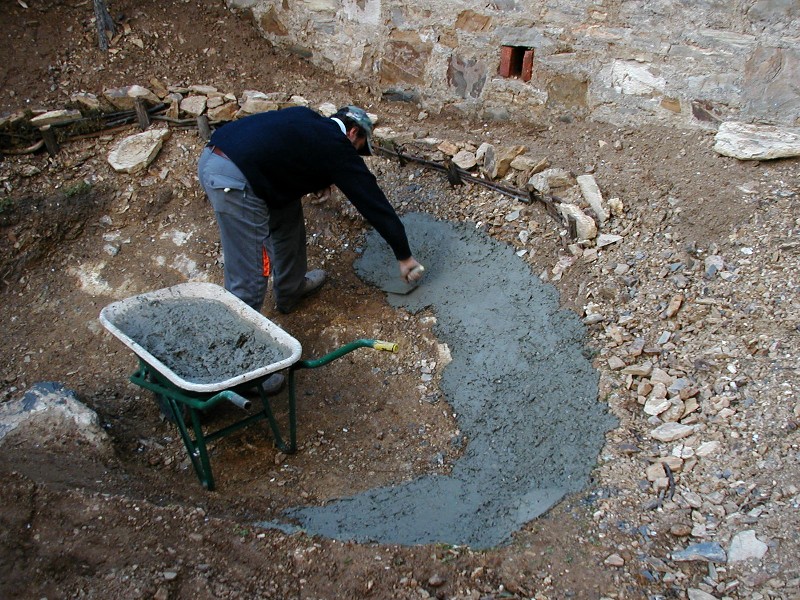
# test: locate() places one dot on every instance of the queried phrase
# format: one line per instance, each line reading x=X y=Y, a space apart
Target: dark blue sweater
x=286 y=154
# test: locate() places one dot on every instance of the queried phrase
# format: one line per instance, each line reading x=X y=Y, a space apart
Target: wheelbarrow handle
x=236 y=399
x=339 y=352
x=385 y=346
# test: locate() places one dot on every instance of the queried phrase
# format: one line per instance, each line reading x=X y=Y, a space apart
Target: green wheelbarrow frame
x=194 y=403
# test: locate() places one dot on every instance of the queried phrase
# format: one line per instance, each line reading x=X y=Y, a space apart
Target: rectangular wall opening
x=516 y=62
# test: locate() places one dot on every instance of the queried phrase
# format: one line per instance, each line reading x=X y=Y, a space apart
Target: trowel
x=393 y=286
x=399 y=287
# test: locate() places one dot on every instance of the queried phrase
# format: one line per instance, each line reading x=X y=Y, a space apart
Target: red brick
x=527 y=65
x=506 y=54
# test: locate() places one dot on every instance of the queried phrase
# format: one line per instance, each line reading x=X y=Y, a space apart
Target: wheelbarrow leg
x=291 y=447
x=198 y=452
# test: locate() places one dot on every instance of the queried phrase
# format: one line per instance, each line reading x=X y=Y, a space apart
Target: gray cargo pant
x=248 y=229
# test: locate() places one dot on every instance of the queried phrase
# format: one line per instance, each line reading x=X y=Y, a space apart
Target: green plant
x=77 y=189
x=241 y=531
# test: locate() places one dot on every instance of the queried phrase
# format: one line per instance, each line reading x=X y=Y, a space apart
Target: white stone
x=465 y=159
x=428 y=142
x=655 y=471
x=50 y=413
x=327 y=109
x=549 y=179
x=634 y=78
x=214 y=102
x=669 y=432
x=591 y=193
x=695 y=594
x=641 y=370
x=606 y=239
x=692 y=499
x=136 y=152
x=661 y=376
x=139 y=91
x=617 y=207
x=584 y=224
x=656 y=406
x=615 y=362
x=86 y=99
x=384 y=133
x=757 y=142
x=614 y=560
x=203 y=90
x=659 y=389
x=745 y=545
x=56 y=116
x=523 y=163
x=714 y=263
x=255 y=95
x=675 y=411
x=254 y=106
x=194 y=105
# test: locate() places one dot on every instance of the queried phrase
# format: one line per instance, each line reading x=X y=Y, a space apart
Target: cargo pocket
x=219 y=186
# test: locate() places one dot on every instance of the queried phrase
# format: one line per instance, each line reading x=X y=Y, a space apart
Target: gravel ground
x=691 y=318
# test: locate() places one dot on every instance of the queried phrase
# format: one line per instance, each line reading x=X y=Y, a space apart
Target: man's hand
x=411 y=270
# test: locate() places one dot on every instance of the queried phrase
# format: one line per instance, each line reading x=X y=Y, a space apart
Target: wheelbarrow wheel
x=166 y=410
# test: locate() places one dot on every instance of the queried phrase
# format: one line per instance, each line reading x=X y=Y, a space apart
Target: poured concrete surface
x=524 y=393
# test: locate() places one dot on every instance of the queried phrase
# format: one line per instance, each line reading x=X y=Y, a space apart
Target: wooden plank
x=49 y=137
x=203 y=128
x=141 y=114
x=104 y=23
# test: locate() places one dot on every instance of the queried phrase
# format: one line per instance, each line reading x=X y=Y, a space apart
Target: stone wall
x=681 y=62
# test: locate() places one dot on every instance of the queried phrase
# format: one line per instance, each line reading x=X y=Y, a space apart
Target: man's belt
x=218 y=152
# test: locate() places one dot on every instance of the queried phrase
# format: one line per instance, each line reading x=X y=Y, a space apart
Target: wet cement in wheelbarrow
x=200 y=340
x=524 y=393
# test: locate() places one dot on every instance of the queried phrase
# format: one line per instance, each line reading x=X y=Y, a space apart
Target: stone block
x=632 y=78
x=56 y=117
x=469 y=20
x=466 y=75
x=194 y=105
x=757 y=142
x=136 y=152
x=405 y=59
x=771 y=77
x=271 y=24
x=226 y=112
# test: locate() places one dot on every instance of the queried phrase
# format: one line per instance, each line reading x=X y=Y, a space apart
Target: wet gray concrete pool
x=524 y=393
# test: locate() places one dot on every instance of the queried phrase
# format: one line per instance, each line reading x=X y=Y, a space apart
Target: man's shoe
x=311 y=284
x=313 y=281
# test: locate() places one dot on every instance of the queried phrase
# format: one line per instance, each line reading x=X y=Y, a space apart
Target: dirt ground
x=134 y=522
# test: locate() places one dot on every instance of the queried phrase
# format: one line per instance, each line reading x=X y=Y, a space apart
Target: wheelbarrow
x=198 y=346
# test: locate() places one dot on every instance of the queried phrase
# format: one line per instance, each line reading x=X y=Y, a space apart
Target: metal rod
x=457 y=171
